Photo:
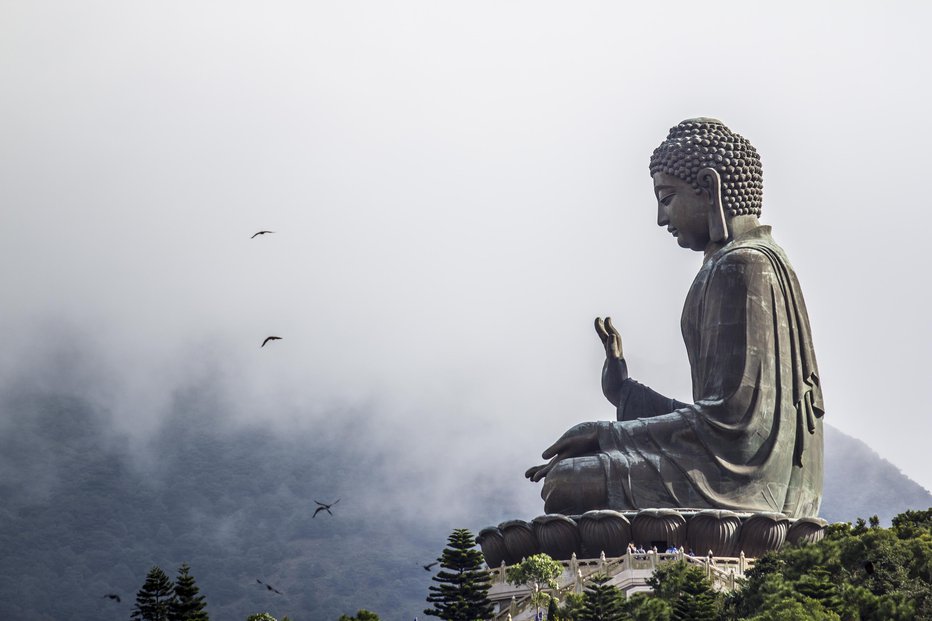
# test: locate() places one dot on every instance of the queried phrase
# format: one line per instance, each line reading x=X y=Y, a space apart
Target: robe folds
x=752 y=438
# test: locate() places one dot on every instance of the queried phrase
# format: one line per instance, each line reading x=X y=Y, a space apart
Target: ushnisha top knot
x=703 y=142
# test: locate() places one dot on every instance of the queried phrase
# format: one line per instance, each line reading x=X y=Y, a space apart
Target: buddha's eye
x=665 y=201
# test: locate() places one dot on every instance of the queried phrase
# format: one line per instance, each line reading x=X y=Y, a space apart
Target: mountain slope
x=860 y=483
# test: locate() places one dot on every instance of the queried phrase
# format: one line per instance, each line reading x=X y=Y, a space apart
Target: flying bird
x=324 y=507
x=270 y=338
x=269 y=587
x=261 y=233
x=428 y=566
x=114 y=597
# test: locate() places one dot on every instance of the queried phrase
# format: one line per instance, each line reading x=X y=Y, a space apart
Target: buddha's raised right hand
x=615 y=369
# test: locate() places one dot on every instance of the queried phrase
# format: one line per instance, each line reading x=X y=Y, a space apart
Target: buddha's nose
x=662 y=219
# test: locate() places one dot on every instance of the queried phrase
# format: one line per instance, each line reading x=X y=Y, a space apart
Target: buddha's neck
x=737 y=226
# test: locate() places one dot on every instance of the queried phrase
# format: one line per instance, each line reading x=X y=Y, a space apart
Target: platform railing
x=725 y=573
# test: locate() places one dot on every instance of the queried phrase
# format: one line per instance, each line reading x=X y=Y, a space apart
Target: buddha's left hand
x=583 y=439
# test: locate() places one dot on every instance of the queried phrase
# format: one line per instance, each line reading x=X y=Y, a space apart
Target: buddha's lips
x=673 y=231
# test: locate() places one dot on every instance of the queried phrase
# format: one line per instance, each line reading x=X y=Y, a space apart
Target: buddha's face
x=682 y=211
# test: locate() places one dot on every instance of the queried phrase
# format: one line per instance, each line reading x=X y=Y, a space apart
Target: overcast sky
x=456 y=190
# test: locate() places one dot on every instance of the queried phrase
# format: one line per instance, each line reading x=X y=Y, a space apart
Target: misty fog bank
x=414 y=458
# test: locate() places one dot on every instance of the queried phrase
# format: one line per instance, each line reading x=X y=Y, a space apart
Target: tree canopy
x=602 y=601
x=461 y=592
x=154 y=599
x=539 y=572
x=188 y=604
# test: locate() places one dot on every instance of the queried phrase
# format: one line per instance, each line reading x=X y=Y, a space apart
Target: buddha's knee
x=575 y=486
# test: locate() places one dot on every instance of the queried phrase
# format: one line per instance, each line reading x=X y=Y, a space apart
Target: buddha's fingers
x=600 y=329
x=556 y=448
x=536 y=473
x=543 y=470
x=615 y=336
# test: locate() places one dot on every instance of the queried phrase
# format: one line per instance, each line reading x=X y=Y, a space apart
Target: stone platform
x=628 y=573
x=605 y=532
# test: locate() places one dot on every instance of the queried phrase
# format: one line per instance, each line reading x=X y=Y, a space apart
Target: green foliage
x=696 y=601
x=838 y=530
x=361 y=615
x=261 y=616
x=863 y=572
x=685 y=592
x=552 y=613
x=860 y=526
x=602 y=601
x=538 y=570
x=188 y=604
x=792 y=610
x=542 y=599
x=818 y=585
x=571 y=608
x=912 y=524
x=669 y=579
x=646 y=607
x=153 y=601
x=463 y=585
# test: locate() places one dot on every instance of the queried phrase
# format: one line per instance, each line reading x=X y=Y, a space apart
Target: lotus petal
x=666 y=527
x=806 y=530
x=493 y=546
x=604 y=531
x=557 y=535
x=519 y=540
x=763 y=532
x=714 y=529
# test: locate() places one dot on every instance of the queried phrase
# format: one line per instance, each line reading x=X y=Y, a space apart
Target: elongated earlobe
x=711 y=184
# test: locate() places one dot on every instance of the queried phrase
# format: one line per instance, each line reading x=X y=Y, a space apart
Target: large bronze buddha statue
x=752 y=438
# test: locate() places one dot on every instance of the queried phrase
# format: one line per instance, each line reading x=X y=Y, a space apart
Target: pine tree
x=153 y=601
x=602 y=601
x=188 y=604
x=462 y=594
x=696 y=601
x=818 y=585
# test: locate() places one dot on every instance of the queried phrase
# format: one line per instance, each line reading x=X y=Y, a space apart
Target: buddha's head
x=705 y=176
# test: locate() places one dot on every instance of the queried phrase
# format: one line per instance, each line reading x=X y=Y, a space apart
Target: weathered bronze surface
x=752 y=438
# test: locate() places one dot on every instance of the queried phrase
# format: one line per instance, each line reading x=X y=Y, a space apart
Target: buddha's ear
x=711 y=184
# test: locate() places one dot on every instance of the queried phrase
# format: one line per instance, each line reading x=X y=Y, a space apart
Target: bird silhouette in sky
x=428 y=566
x=261 y=233
x=270 y=338
x=269 y=587
x=324 y=507
x=114 y=597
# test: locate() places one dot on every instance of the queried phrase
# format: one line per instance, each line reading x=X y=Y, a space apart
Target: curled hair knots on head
x=695 y=144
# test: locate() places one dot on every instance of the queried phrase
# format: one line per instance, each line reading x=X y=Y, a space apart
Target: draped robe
x=752 y=438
